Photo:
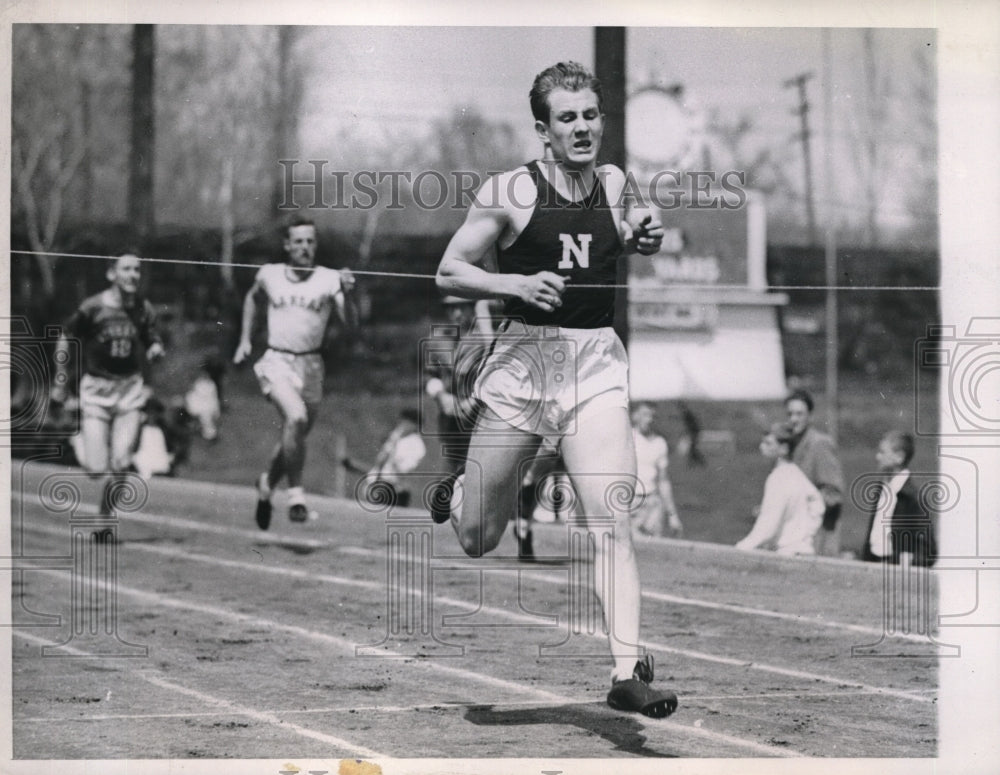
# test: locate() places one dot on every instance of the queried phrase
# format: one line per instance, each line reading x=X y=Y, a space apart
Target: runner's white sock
x=296 y=495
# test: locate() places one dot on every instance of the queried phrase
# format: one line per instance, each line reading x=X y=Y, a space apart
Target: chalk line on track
x=269 y=718
x=234 y=708
x=537 y=694
x=690 y=653
x=312 y=543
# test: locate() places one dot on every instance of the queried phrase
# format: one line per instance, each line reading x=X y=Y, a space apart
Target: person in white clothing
x=791 y=510
x=401 y=452
x=656 y=501
x=300 y=298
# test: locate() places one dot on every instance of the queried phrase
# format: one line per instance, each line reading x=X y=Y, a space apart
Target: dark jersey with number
x=113 y=339
x=578 y=240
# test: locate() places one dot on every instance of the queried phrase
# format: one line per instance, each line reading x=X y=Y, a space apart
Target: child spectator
x=202 y=403
x=910 y=527
x=791 y=510
x=152 y=456
x=400 y=454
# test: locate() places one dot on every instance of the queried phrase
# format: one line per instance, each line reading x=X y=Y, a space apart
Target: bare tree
x=49 y=141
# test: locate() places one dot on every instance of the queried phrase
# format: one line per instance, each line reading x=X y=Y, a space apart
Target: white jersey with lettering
x=298 y=310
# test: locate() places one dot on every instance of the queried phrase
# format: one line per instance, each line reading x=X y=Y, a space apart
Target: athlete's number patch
x=575 y=248
x=121 y=348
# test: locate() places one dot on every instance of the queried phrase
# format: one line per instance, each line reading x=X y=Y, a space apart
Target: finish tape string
x=415 y=276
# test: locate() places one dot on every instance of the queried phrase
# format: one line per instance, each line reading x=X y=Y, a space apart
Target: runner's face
x=300 y=245
x=125 y=274
x=573 y=132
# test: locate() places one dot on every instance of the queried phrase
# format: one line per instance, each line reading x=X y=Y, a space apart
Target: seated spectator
x=401 y=452
x=202 y=403
x=152 y=455
x=791 y=511
x=898 y=505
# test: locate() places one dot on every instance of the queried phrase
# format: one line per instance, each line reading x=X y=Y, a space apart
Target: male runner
x=117 y=332
x=300 y=297
x=558 y=223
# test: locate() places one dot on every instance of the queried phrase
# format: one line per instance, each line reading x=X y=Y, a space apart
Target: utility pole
x=830 y=216
x=609 y=67
x=799 y=82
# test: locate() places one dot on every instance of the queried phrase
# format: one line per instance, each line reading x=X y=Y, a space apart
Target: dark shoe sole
x=637 y=697
x=298 y=514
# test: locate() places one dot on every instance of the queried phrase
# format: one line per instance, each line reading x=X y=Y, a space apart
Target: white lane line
x=787 y=694
x=690 y=653
x=663 y=597
x=548 y=578
x=424 y=664
x=234 y=708
x=249 y=620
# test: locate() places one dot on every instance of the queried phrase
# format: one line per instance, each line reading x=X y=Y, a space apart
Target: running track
x=292 y=644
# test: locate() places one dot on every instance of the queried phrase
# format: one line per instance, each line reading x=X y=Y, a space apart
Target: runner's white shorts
x=301 y=373
x=548 y=380
x=103 y=398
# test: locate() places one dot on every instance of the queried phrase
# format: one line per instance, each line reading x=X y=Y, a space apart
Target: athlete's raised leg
x=495 y=463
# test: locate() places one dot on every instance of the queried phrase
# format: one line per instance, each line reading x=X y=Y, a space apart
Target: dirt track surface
x=303 y=642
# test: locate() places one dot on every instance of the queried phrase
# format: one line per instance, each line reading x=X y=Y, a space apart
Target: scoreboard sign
x=703 y=251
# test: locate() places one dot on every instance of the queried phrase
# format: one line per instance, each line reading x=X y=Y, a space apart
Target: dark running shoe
x=636 y=695
x=298 y=512
x=263 y=515
x=440 y=499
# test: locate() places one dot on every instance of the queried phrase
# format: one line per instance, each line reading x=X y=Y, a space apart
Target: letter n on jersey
x=578 y=248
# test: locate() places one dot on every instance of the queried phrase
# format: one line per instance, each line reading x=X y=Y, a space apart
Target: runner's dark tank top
x=578 y=240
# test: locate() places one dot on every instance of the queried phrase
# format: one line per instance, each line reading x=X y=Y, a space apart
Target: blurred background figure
x=652 y=459
x=898 y=506
x=816 y=455
x=153 y=455
x=401 y=452
x=203 y=403
x=450 y=385
x=692 y=430
x=791 y=511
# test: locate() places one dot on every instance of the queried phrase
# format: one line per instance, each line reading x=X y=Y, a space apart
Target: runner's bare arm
x=639 y=226
x=459 y=275
x=246 y=330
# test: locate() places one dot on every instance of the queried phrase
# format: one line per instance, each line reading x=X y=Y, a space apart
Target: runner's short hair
x=571 y=76
x=297 y=220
